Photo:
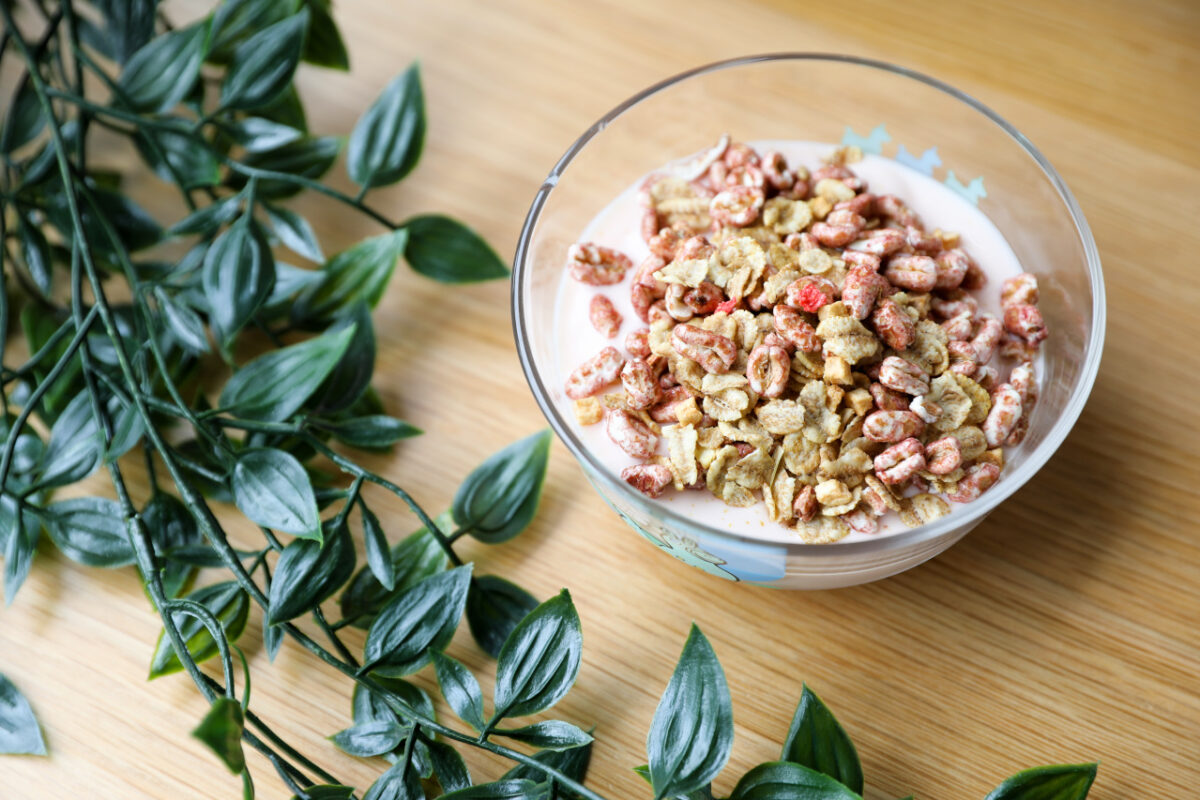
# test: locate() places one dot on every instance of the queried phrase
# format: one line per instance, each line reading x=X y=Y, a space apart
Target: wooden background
x=1065 y=628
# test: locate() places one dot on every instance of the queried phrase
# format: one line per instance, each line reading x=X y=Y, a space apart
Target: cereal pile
x=808 y=345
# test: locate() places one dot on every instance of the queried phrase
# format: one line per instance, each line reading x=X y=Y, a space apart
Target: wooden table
x=1065 y=628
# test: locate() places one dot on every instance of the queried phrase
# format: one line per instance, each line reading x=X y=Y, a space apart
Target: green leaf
x=1054 y=782
x=295 y=232
x=35 y=252
x=387 y=140
x=130 y=24
x=499 y=498
x=258 y=135
x=324 y=46
x=288 y=281
x=90 y=531
x=308 y=573
x=19 y=731
x=460 y=689
x=501 y=790
x=171 y=526
x=540 y=659
x=127 y=427
x=419 y=620
x=237 y=276
x=160 y=74
x=495 y=607
x=25 y=118
x=264 y=64
x=783 y=780
x=352 y=375
x=415 y=558
x=272 y=488
x=359 y=273
x=572 y=762
x=552 y=734
x=76 y=445
x=20 y=547
x=236 y=20
x=182 y=321
x=374 y=432
x=816 y=740
x=207 y=219
x=692 y=732
x=286 y=110
x=449 y=767
x=221 y=729
x=379 y=557
x=369 y=707
x=308 y=158
x=448 y=251
x=227 y=602
x=178 y=158
x=275 y=385
x=398 y=783
x=370 y=739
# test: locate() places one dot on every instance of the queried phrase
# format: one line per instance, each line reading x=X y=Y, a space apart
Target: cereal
x=808 y=345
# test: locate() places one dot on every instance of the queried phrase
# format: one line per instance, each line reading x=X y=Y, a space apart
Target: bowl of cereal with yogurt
x=805 y=320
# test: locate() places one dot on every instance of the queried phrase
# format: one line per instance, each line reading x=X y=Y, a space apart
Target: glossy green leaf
x=19 y=731
x=449 y=767
x=127 y=427
x=91 y=531
x=692 y=732
x=35 y=253
x=324 y=46
x=295 y=233
x=287 y=109
x=263 y=65
x=171 y=526
x=129 y=25
x=379 y=557
x=234 y=21
x=1054 y=782
x=308 y=573
x=352 y=375
x=495 y=607
x=20 y=546
x=227 y=602
x=415 y=558
x=499 y=498
x=572 y=762
x=551 y=734
x=367 y=706
x=816 y=740
x=540 y=660
x=387 y=140
x=419 y=620
x=446 y=250
x=76 y=445
x=275 y=385
x=398 y=783
x=374 y=432
x=460 y=689
x=25 y=119
x=237 y=276
x=502 y=790
x=182 y=321
x=178 y=158
x=272 y=488
x=783 y=780
x=258 y=135
x=370 y=739
x=221 y=730
x=309 y=157
x=160 y=74
x=207 y=219
x=289 y=281
x=357 y=274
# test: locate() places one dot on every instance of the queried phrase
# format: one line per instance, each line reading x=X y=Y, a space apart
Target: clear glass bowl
x=837 y=99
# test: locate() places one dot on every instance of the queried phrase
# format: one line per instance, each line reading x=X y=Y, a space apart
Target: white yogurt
x=619 y=226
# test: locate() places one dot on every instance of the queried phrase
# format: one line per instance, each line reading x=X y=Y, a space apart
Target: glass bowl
x=884 y=109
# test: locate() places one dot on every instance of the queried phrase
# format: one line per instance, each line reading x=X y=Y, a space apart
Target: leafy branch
x=127 y=321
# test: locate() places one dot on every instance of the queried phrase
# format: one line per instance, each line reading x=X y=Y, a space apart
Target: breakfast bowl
x=915 y=123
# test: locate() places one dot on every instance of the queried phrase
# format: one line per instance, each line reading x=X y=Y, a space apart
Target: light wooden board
x=1065 y=628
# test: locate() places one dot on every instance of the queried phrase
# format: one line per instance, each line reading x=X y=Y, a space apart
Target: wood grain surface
x=1066 y=627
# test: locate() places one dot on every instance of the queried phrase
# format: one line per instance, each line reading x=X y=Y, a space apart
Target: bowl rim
x=972 y=513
